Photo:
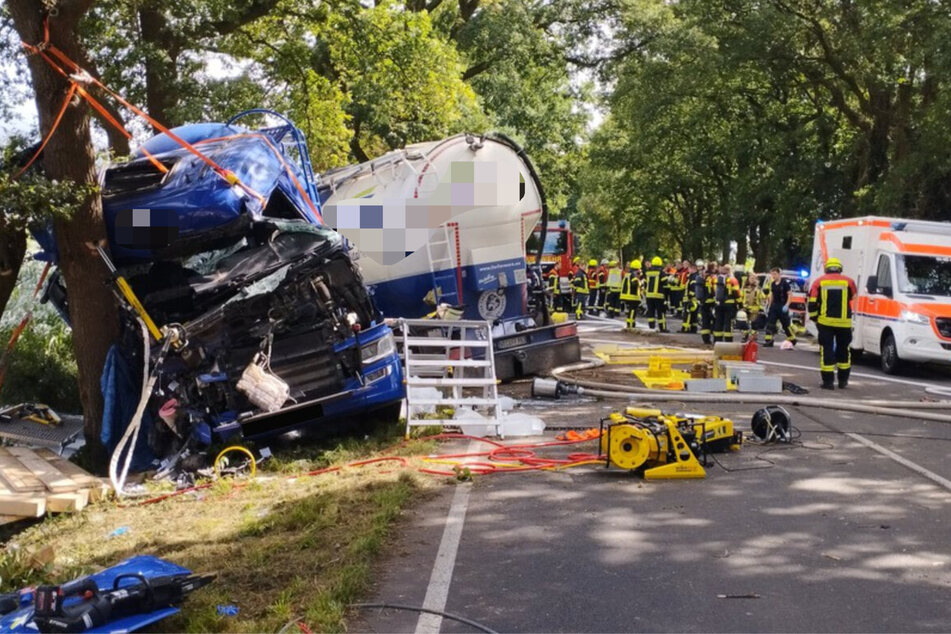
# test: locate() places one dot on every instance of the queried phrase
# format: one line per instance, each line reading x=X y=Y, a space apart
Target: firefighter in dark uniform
x=709 y=282
x=777 y=308
x=631 y=293
x=726 y=295
x=654 y=294
x=592 y=286
x=830 y=305
x=579 y=289
x=690 y=303
x=602 y=286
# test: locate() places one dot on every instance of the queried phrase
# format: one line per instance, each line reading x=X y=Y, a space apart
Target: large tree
x=69 y=158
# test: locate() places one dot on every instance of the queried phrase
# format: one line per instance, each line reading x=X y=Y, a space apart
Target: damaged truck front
x=273 y=326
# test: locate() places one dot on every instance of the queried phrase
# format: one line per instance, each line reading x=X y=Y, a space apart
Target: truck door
x=877 y=308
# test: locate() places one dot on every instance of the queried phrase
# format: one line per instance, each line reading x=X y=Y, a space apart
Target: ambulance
x=902 y=269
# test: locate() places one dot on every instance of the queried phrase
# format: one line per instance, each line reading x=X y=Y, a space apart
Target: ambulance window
x=884 y=272
x=846 y=242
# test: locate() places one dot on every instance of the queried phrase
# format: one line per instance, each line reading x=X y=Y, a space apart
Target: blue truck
x=224 y=244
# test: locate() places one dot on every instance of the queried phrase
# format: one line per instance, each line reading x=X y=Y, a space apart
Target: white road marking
x=934 y=477
x=939 y=389
x=437 y=593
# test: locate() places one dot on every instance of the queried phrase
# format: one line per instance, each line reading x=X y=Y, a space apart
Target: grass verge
x=285 y=549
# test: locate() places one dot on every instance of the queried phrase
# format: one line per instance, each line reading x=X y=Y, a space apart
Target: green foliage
x=33 y=197
x=42 y=368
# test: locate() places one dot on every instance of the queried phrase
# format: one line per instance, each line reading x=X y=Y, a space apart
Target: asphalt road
x=831 y=534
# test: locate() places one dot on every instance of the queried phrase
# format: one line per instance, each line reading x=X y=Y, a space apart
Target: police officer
x=830 y=305
x=579 y=289
x=614 y=280
x=777 y=308
x=654 y=293
x=631 y=293
x=726 y=294
x=592 y=286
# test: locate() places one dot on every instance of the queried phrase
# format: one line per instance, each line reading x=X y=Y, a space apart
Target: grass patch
x=283 y=548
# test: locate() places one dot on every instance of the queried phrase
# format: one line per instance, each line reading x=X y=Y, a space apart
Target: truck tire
x=891 y=363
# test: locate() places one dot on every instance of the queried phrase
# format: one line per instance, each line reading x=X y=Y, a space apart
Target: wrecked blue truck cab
x=260 y=290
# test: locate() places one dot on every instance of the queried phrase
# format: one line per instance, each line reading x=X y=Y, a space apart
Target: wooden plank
x=101 y=492
x=73 y=470
x=23 y=505
x=67 y=502
x=9 y=519
x=50 y=476
x=16 y=476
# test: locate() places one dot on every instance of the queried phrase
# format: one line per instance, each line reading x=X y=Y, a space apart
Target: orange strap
x=46 y=139
x=79 y=75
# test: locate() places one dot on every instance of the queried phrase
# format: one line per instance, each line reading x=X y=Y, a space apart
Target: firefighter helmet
x=833 y=264
x=613 y=263
x=592 y=262
x=636 y=265
x=604 y=261
x=576 y=260
x=656 y=261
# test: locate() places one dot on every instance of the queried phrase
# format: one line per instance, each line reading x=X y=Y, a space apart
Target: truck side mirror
x=872 y=284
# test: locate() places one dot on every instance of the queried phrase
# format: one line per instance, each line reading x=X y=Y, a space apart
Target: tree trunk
x=12 y=250
x=69 y=156
x=161 y=73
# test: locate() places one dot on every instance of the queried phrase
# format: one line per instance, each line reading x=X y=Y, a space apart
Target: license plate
x=511 y=342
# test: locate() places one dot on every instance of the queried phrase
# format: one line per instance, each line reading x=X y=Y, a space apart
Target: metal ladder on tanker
x=441 y=277
x=439 y=354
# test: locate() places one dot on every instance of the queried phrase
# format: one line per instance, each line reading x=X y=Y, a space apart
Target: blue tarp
x=121 y=385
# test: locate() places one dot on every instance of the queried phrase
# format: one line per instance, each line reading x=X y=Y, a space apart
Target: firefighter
x=830 y=305
x=677 y=283
x=592 y=286
x=752 y=303
x=614 y=280
x=708 y=280
x=631 y=293
x=551 y=285
x=690 y=302
x=777 y=308
x=654 y=293
x=579 y=289
x=726 y=294
x=602 y=285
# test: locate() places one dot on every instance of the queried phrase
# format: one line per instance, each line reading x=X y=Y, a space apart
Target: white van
x=902 y=269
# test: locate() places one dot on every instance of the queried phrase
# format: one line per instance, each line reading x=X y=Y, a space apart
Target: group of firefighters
x=710 y=296
x=707 y=296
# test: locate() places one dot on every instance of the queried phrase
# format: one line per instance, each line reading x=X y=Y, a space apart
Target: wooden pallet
x=34 y=482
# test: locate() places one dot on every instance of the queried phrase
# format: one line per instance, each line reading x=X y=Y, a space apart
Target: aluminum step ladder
x=443 y=265
x=456 y=358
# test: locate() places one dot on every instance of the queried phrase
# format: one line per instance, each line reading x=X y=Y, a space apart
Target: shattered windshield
x=924 y=275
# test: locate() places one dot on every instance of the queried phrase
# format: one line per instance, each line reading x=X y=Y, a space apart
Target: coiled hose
x=626 y=392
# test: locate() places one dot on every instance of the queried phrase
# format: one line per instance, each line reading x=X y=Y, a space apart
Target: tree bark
x=69 y=156
x=12 y=250
x=161 y=73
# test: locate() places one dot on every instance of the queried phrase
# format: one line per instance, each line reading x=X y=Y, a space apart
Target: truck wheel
x=891 y=363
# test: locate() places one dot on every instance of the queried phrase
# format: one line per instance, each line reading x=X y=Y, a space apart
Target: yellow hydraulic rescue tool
x=664 y=446
x=125 y=291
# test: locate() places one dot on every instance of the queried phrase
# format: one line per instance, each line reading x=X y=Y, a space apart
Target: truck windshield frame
x=924 y=275
x=556 y=242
